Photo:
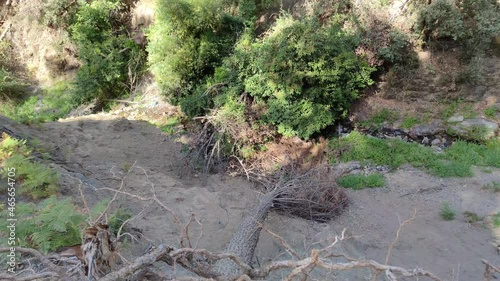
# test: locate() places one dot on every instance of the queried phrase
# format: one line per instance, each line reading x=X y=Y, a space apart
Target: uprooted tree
x=311 y=195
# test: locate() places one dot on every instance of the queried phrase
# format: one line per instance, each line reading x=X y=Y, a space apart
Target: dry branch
x=42 y=258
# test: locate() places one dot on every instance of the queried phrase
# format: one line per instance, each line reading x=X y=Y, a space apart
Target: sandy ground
x=98 y=149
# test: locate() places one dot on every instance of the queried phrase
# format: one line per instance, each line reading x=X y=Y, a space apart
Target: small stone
x=455 y=119
x=425 y=140
x=473 y=129
x=436 y=142
x=433 y=128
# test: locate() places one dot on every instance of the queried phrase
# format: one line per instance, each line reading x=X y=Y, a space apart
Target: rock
x=425 y=140
x=436 y=142
x=474 y=129
x=433 y=128
x=455 y=119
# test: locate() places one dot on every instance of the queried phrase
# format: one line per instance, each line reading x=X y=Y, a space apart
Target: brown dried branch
x=397 y=235
x=489 y=270
x=8 y=277
x=44 y=260
x=122 y=185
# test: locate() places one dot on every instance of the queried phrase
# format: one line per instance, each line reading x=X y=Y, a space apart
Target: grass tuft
x=361 y=181
x=447 y=213
x=456 y=161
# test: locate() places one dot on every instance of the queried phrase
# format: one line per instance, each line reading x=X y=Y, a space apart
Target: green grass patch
x=493 y=186
x=361 y=181
x=171 y=126
x=456 y=161
x=410 y=122
x=447 y=212
x=491 y=112
x=496 y=220
x=377 y=120
x=55 y=103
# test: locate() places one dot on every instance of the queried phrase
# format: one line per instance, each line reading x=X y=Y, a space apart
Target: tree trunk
x=245 y=239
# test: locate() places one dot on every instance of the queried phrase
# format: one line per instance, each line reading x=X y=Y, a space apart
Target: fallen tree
x=288 y=192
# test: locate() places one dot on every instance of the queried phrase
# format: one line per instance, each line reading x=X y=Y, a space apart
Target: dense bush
x=399 y=51
x=303 y=74
x=60 y=13
x=442 y=19
x=187 y=41
x=108 y=55
x=306 y=74
x=473 y=23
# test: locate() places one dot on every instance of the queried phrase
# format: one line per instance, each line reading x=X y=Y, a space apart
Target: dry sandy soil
x=98 y=149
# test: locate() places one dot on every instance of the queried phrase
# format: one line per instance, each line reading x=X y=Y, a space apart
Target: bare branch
x=37 y=255
x=397 y=235
x=8 y=277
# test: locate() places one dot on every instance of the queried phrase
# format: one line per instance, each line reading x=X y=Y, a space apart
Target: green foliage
x=383 y=116
x=471 y=217
x=496 y=220
x=473 y=72
x=306 y=73
x=472 y=23
x=60 y=13
x=456 y=161
x=399 y=51
x=447 y=212
x=52 y=224
x=32 y=178
x=491 y=112
x=188 y=39
x=410 y=122
x=116 y=220
x=361 y=181
x=54 y=104
x=107 y=54
x=441 y=19
x=475 y=154
x=11 y=87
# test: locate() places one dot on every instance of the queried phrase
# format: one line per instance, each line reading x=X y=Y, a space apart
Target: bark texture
x=245 y=239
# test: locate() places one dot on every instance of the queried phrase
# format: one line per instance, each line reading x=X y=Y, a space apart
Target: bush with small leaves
x=447 y=212
x=109 y=57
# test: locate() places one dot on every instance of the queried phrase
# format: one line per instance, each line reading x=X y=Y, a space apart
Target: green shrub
x=52 y=224
x=473 y=71
x=11 y=87
x=108 y=56
x=441 y=19
x=481 y=24
x=117 y=219
x=496 y=220
x=473 y=23
x=491 y=111
x=54 y=104
x=447 y=212
x=361 y=181
x=188 y=39
x=306 y=73
x=400 y=51
x=60 y=13
x=32 y=178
